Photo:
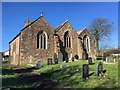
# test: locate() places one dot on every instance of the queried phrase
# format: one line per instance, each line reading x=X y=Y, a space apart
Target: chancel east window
x=42 y=40
x=67 y=40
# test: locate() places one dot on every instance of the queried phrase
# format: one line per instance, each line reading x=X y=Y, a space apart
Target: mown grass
x=10 y=79
x=70 y=77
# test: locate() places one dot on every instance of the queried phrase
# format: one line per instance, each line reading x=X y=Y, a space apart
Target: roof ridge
x=80 y=31
x=25 y=28
x=60 y=26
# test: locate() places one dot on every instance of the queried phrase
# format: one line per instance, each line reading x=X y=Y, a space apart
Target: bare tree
x=100 y=28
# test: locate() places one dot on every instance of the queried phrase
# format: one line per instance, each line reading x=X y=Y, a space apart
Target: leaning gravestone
x=38 y=64
x=60 y=57
x=90 y=61
x=50 y=61
x=73 y=59
x=85 y=71
x=99 y=68
x=55 y=58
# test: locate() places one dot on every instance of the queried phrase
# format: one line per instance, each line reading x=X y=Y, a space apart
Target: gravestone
x=73 y=59
x=83 y=56
x=85 y=71
x=55 y=55
x=99 y=68
x=76 y=57
x=90 y=61
x=56 y=61
x=38 y=64
x=114 y=60
x=50 y=61
x=55 y=58
x=66 y=59
x=64 y=66
x=104 y=57
x=107 y=59
x=60 y=57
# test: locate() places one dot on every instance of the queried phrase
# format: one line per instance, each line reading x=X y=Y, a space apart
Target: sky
x=79 y=14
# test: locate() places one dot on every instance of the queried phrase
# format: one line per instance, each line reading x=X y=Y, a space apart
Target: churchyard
x=74 y=74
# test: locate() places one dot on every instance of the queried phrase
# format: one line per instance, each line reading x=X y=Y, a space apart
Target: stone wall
x=29 y=51
x=14 y=51
x=24 y=50
x=91 y=52
x=74 y=37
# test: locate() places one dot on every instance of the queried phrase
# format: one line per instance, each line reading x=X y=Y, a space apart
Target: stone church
x=38 y=41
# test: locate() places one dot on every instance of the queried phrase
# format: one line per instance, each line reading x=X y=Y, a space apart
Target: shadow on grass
x=65 y=75
x=91 y=74
x=110 y=83
x=92 y=64
x=10 y=71
x=32 y=81
x=7 y=72
x=24 y=79
x=24 y=70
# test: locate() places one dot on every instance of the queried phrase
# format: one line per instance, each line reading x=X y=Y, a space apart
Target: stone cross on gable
x=67 y=19
x=41 y=13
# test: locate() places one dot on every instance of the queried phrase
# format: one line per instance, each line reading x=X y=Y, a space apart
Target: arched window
x=67 y=40
x=86 y=42
x=42 y=40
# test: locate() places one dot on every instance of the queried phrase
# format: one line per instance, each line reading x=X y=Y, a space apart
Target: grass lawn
x=71 y=77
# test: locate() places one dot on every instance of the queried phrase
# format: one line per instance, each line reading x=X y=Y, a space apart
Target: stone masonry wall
x=14 y=51
x=74 y=49
x=29 y=51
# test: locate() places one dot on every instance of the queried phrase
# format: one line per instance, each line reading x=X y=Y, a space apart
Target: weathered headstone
x=66 y=59
x=83 y=56
x=107 y=59
x=38 y=64
x=55 y=58
x=60 y=57
x=89 y=60
x=104 y=57
x=85 y=71
x=55 y=55
x=73 y=59
x=56 y=61
x=99 y=68
x=50 y=61
x=64 y=66
x=76 y=57
x=114 y=60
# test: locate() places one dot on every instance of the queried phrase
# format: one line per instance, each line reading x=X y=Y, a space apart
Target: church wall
x=23 y=49
x=91 y=43
x=74 y=43
x=80 y=48
x=14 y=51
x=29 y=51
